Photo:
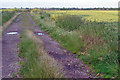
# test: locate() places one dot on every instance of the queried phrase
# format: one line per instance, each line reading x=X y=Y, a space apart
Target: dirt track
x=9 y=50
x=73 y=67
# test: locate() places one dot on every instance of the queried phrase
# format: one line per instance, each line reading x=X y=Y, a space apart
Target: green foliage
x=42 y=17
x=32 y=65
x=35 y=63
x=0 y=19
x=98 y=39
x=29 y=54
x=69 y=22
x=7 y=15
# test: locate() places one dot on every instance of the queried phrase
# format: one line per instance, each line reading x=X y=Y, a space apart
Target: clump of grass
x=69 y=22
x=97 y=39
x=42 y=17
x=36 y=62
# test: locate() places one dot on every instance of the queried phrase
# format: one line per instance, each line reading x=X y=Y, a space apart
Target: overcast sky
x=58 y=3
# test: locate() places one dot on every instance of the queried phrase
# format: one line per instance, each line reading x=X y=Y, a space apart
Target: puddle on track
x=11 y=33
x=40 y=33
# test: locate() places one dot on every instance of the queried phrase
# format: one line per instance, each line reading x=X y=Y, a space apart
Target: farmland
x=91 y=35
x=60 y=43
x=90 y=15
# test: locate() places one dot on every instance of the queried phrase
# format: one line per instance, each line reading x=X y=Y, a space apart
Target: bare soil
x=10 y=51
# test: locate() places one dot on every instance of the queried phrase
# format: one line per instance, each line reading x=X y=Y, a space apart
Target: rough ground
x=9 y=50
x=72 y=67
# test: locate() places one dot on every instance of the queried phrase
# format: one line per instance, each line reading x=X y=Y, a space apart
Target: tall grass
x=0 y=18
x=36 y=63
x=66 y=22
x=7 y=15
x=94 y=42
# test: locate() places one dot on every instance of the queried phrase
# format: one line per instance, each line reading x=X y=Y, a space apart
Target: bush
x=69 y=22
x=42 y=17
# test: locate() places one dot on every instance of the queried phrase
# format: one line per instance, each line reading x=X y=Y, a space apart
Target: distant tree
x=26 y=8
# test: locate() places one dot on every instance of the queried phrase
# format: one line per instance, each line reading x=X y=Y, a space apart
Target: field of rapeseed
x=90 y=15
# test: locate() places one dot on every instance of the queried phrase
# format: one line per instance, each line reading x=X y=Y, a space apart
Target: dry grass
x=37 y=63
x=50 y=64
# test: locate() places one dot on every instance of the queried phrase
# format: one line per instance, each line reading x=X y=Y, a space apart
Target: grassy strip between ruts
x=36 y=63
x=96 y=43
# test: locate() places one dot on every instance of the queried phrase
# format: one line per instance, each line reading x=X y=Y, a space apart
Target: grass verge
x=95 y=43
x=36 y=63
x=6 y=15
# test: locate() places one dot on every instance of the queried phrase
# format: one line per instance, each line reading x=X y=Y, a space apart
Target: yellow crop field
x=90 y=15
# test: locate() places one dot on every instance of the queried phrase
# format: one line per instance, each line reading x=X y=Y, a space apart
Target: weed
x=36 y=63
x=98 y=39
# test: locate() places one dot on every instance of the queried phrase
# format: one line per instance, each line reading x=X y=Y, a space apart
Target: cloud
x=59 y=3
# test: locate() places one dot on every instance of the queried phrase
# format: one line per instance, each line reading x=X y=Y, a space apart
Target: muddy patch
x=56 y=55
